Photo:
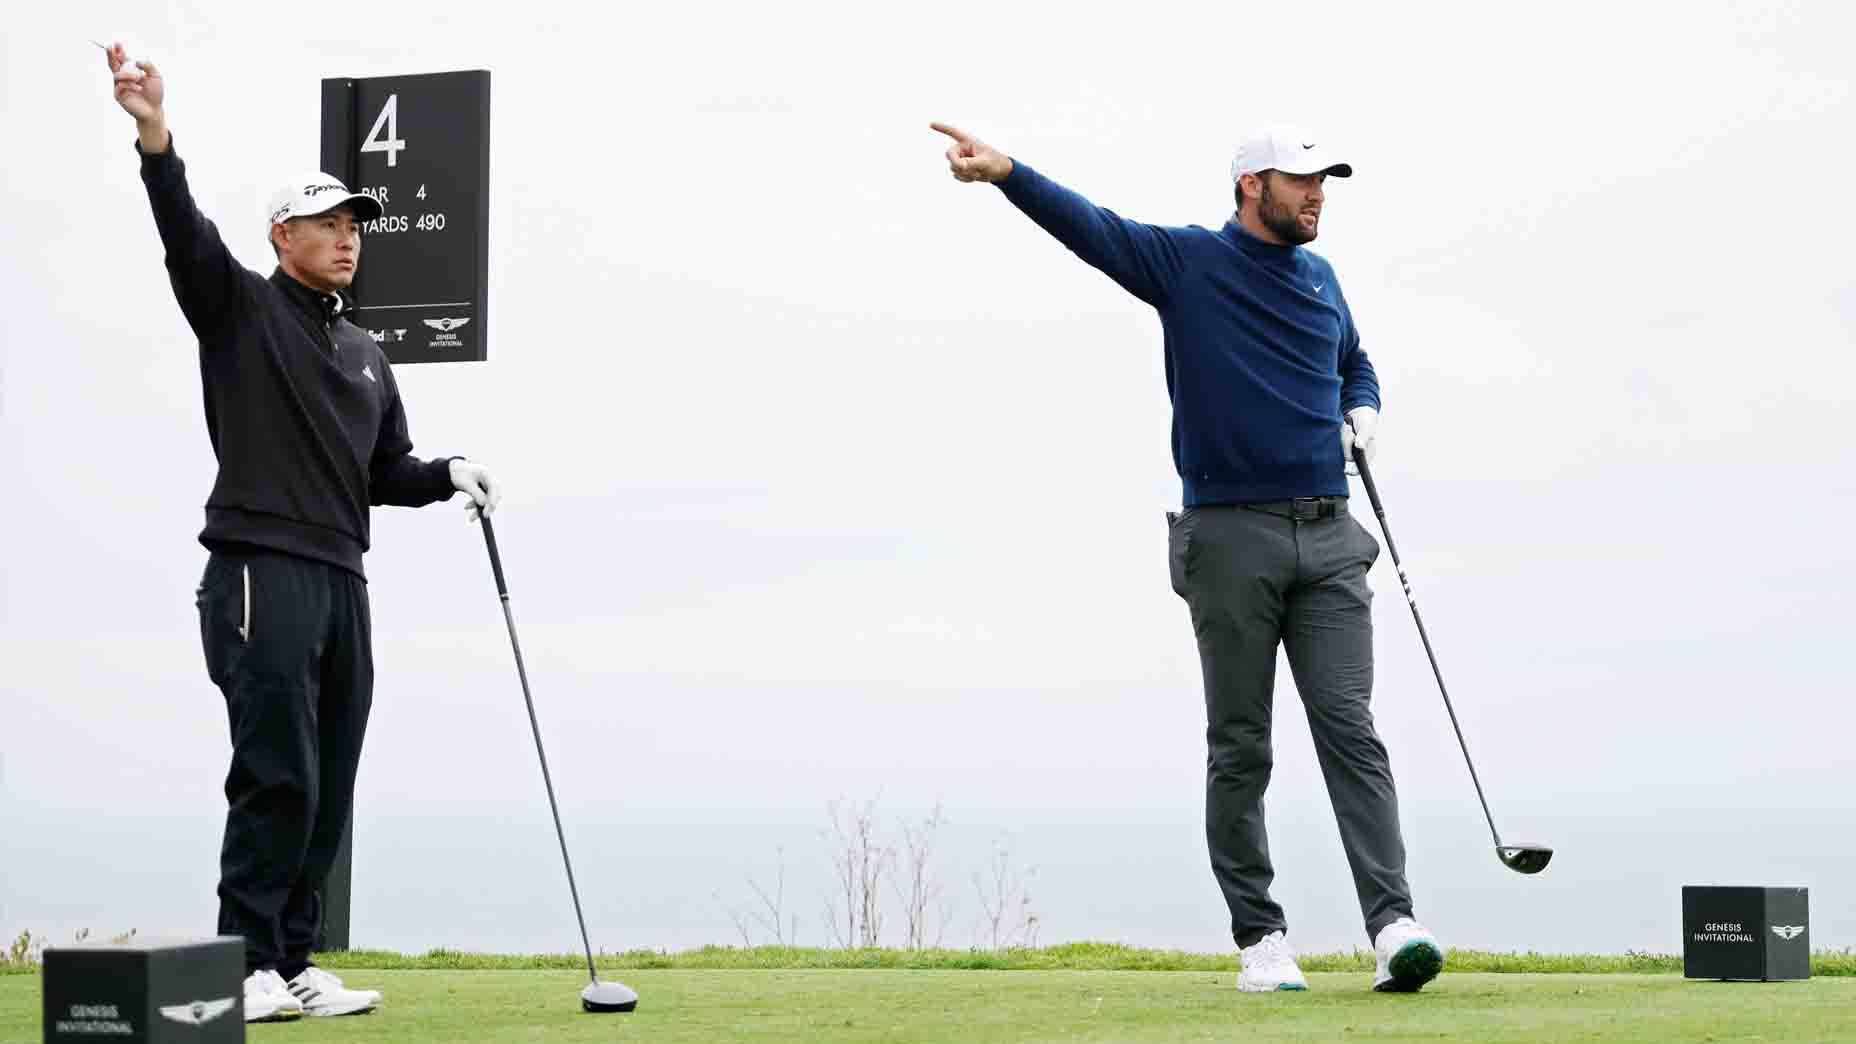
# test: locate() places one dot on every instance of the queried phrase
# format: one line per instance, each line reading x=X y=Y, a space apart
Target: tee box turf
x=1756 y=934
x=147 y=991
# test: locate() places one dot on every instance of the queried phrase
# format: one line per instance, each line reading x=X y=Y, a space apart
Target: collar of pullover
x=325 y=307
x=1263 y=253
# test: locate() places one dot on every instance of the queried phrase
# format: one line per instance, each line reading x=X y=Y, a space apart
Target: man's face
x=322 y=250
x=1290 y=206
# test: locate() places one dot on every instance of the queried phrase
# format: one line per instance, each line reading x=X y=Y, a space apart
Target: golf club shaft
x=1372 y=493
x=502 y=592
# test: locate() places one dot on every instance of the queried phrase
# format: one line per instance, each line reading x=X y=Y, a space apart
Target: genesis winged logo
x=199 y=1012
x=445 y=325
x=1788 y=931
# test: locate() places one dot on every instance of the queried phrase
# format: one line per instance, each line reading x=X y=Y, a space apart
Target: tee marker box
x=146 y=990
x=1748 y=933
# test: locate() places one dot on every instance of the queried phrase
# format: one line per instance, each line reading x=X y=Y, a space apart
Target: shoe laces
x=1269 y=950
x=321 y=980
x=1400 y=932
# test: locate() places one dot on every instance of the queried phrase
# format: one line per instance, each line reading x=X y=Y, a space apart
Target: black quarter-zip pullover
x=301 y=406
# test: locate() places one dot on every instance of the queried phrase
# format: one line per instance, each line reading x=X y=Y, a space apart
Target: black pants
x=289 y=642
x=1253 y=580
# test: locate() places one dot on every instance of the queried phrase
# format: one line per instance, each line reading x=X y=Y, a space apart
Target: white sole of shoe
x=1283 y=987
x=332 y=1010
x=276 y=1014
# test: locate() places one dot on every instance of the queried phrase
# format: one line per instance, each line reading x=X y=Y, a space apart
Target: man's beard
x=1280 y=220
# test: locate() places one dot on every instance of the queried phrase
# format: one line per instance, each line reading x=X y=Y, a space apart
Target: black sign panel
x=146 y=991
x=420 y=145
x=1746 y=933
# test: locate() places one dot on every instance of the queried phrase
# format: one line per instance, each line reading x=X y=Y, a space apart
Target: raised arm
x=203 y=272
x=1143 y=259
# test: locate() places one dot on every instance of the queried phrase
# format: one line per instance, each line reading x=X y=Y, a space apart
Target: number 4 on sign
x=389 y=119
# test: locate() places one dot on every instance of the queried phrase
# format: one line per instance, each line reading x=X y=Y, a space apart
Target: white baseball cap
x=318 y=193
x=1287 y=148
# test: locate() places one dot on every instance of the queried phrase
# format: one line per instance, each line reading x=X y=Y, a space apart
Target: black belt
x=1302 y=509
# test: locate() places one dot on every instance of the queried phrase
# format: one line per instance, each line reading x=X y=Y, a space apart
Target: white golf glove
x=1361 y=425
x=474 y=479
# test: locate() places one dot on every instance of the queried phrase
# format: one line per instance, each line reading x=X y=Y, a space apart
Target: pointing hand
x=971 y=159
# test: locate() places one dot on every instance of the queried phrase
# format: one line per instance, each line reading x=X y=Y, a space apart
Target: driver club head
x=1525 y=859
x=604 y=997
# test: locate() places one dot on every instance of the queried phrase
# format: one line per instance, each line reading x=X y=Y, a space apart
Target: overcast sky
x=828 y=476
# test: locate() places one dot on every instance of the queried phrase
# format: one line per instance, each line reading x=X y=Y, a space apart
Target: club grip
x=496 y=560
x=1366 y=479
x=1379 y=509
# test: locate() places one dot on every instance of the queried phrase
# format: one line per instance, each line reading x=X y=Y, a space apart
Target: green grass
x=1084 y=956
x=1067 y=957
x=828 y=1006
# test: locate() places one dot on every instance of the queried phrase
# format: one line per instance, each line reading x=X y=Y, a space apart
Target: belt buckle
x=1305 y=509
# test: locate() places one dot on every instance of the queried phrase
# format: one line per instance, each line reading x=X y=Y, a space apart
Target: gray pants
x=1251 y=580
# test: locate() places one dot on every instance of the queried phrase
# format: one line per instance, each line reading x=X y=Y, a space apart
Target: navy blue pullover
x=1262 y=358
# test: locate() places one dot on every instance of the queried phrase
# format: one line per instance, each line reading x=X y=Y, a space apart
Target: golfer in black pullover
x=306 y=422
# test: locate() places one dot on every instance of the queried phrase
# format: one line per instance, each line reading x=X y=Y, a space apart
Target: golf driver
x=1526 y=859
x=598 y=996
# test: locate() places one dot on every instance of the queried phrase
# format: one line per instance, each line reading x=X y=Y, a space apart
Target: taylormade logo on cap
x=318 y=193
x=1284 y=147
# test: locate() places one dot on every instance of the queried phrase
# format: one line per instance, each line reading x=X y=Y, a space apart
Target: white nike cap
x=318 y=193
x=1287 y=148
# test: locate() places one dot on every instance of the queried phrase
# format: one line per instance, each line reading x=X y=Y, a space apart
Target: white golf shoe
x=324 y=994
x=267 y=1000
x=1268 y=966
x=1409 y=957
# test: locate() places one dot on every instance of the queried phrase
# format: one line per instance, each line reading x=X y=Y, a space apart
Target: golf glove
x=474 y=479
x=1361 y=425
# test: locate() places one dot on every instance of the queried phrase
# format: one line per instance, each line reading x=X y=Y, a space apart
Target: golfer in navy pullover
x=1271 y=394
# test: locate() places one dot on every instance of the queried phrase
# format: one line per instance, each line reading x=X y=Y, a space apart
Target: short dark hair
x=1263 y=176
x=1237 y=188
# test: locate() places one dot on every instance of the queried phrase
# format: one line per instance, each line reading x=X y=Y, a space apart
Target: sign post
x=421 y=146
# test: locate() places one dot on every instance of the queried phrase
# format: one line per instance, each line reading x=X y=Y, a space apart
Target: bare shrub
x=1007 y=919
x=858 y=863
